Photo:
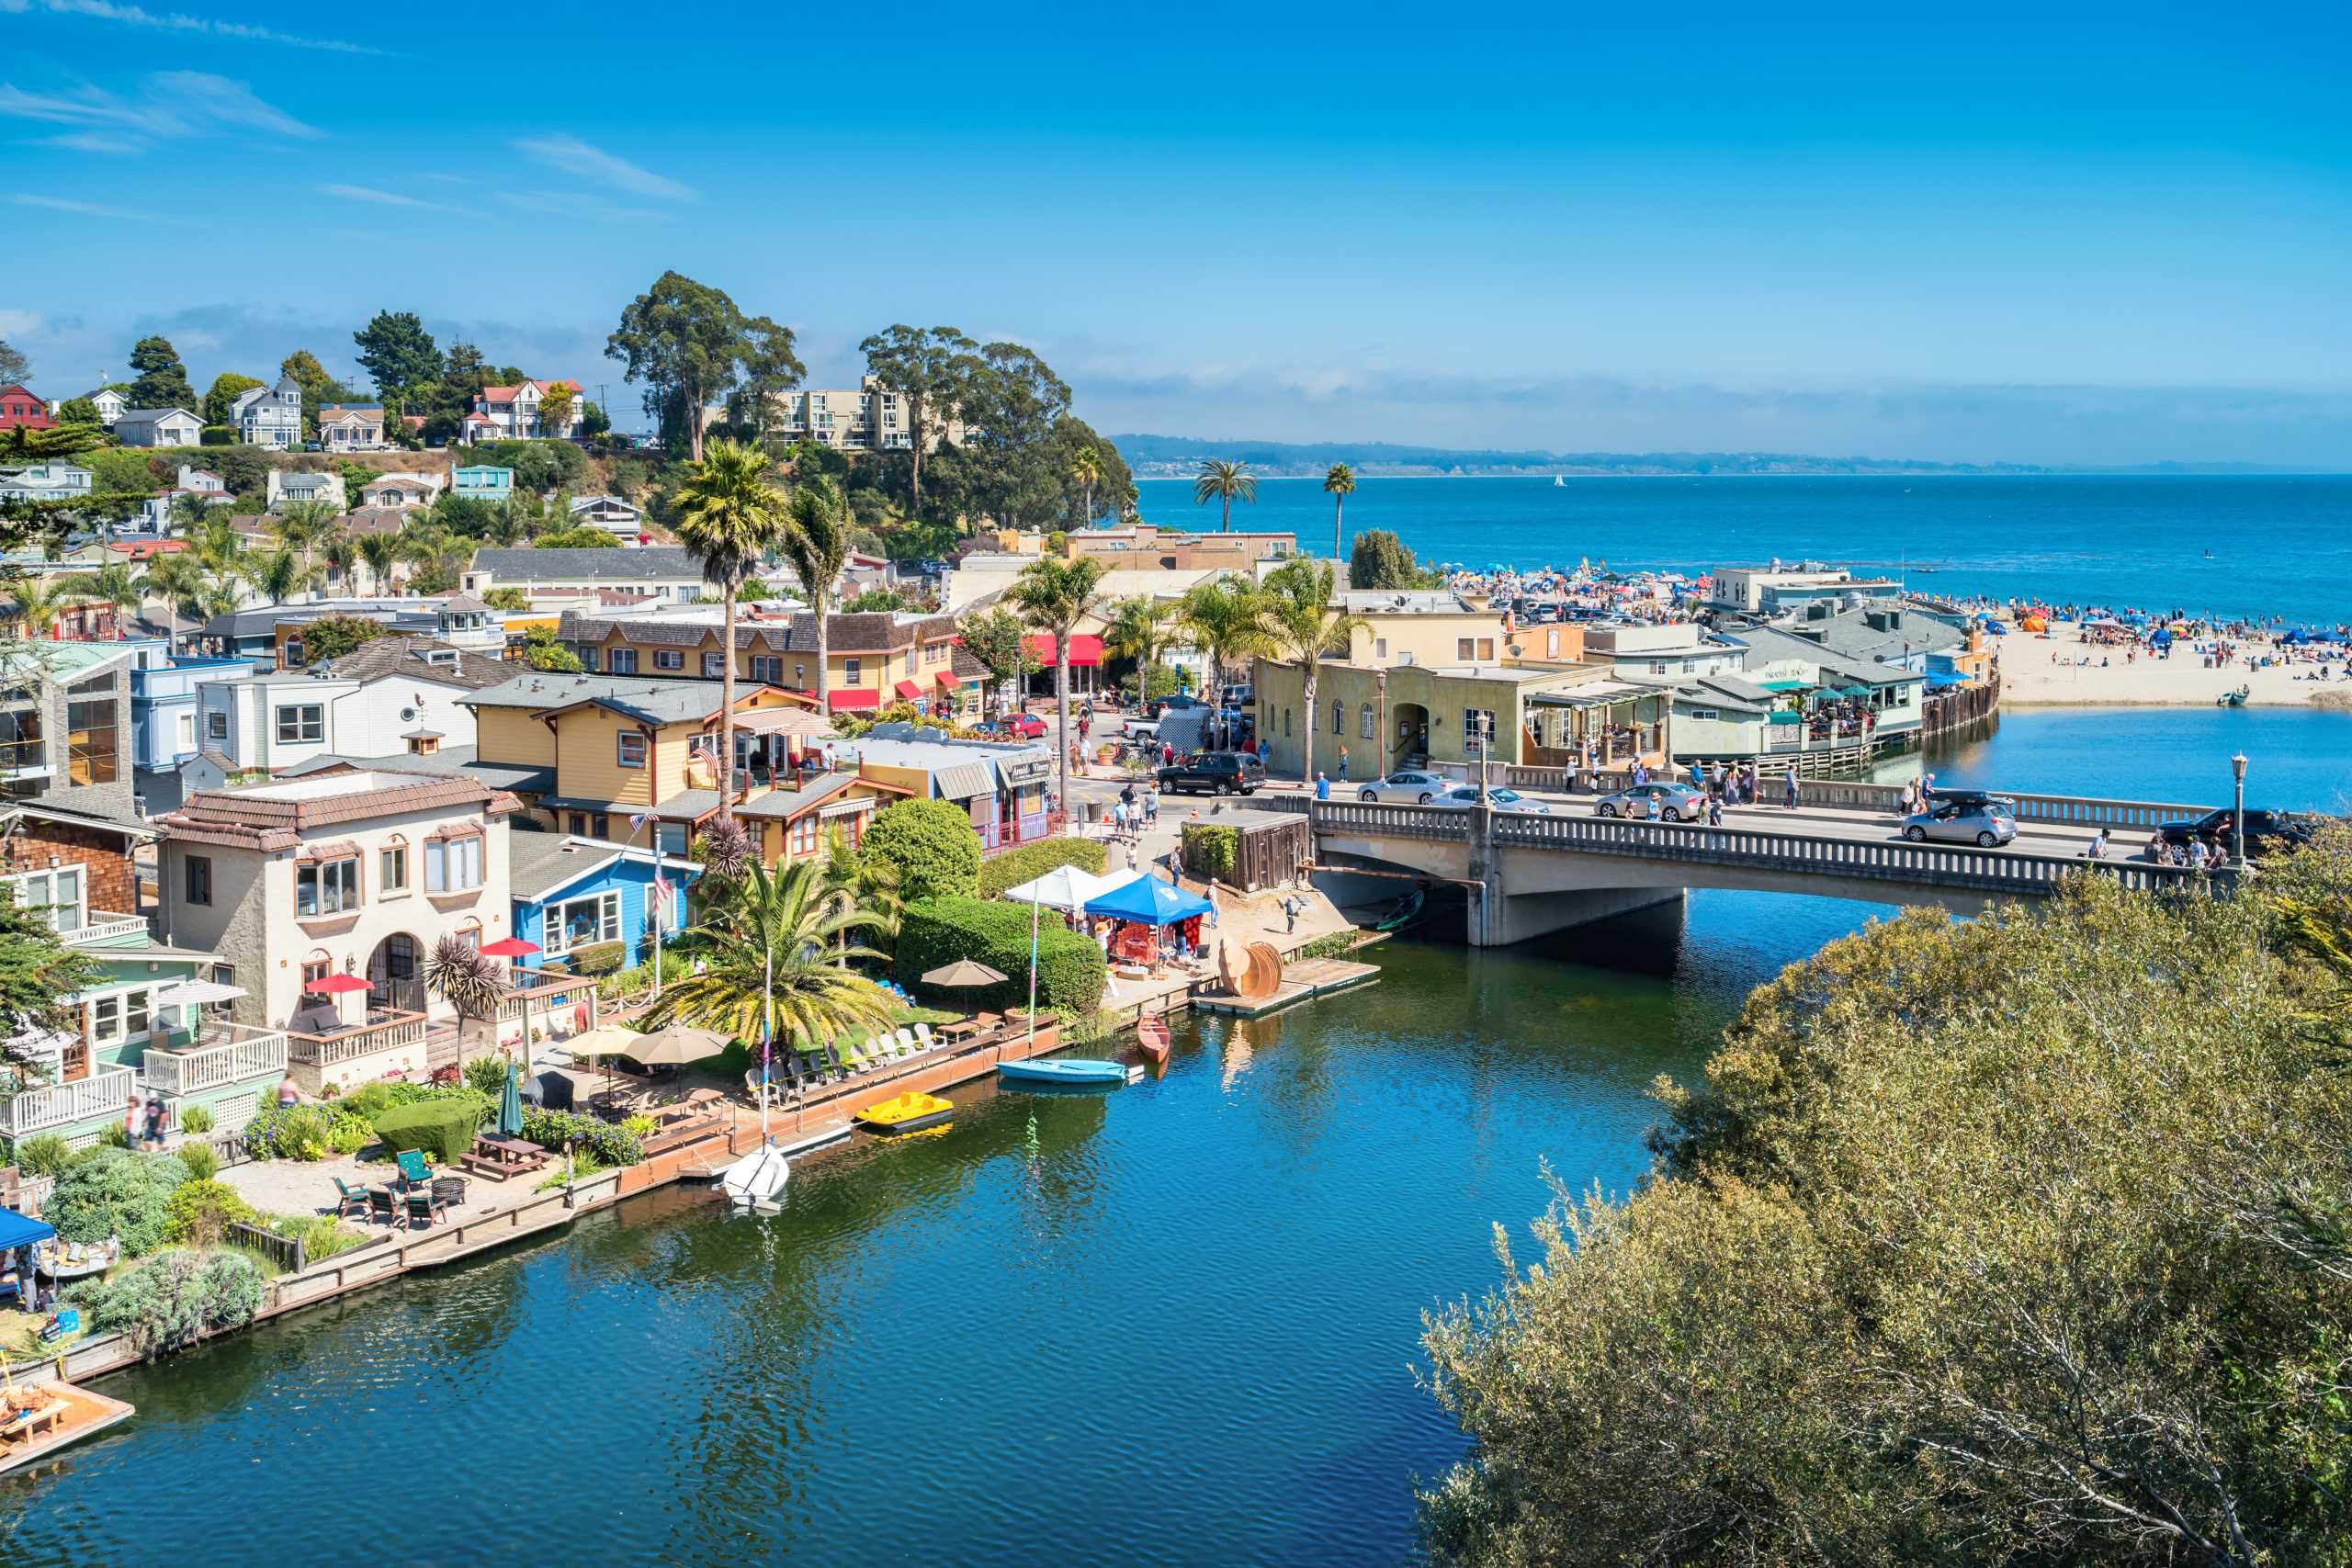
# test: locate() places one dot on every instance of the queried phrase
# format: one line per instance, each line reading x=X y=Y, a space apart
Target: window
x=1707 y=715
x=802 y=840
x=587 y=652
x=669 y=658
x=1380 y=648
x=216 y=725
x=394 y=875
x=852 y=671
x=767 y=669
x=603 y=825
x=1551 y=642
x=301 y=721
x=55 y=898
x=632 y=747
x=1466 y=648
x=186 y=741
x=196 y=880
x=713 y=667
x=910 y=662
x=315 y=970
x=1286 y=724
x=1339 y=717
x=624 y=661
x=1657 y=666
x=327 y=887
x=579 y=824
x=453 y=865
x=1365 y=720
x=90 y=739
x=1478 y=723
x=579 y=923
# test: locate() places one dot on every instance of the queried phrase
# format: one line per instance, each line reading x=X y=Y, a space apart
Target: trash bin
x=1093 y=812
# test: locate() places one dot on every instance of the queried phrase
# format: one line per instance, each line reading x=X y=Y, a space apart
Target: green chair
x=413 y=1166
x=349 y=1199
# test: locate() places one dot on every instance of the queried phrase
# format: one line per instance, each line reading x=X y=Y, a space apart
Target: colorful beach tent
x=1150 y=901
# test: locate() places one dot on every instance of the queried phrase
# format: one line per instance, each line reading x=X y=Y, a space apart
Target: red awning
x=910 y=691
x=948 y=678
x=1083 y=649
x=854 y=698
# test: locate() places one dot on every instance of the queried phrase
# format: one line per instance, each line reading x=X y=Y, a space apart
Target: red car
x=1027 y=726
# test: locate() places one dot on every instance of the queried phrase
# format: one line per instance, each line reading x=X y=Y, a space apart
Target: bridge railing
x=1990 y=871
x=2069 y=810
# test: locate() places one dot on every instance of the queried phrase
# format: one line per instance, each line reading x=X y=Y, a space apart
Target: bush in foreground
x=1026 y=862
x=936 y=933
x=932 y=845
x=110 y=1192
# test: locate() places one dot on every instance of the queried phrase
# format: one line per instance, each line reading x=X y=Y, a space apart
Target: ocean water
x=2235 y=547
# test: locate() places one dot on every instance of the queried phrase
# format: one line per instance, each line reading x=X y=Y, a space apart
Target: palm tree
x=816 y=542
x=1223 y=482
x=1087 y=469
x=1339 y=484
x=281 y=573
x=730 y=514
x=1298 y=621
x=467 y=980
x=40 y=600
x=851 y=881
x=180 y=579
x=765 y=963
x=1221 y=618
x=1053 y=595
x=1138 y=630
x=341 y=553
x=113 y=583
x=305 y=525
x=381 y=552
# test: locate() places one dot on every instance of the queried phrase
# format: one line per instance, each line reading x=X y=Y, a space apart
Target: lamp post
x=2237 y=815
x=1380 y=680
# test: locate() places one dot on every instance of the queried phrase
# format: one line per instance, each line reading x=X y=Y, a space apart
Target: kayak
x=1062 y=1070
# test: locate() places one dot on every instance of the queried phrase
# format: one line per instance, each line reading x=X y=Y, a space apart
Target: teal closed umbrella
x=510 y=1104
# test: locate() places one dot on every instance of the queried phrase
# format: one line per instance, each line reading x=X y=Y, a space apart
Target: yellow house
x=793 y=824
x=1422 y=627
x=872 y=659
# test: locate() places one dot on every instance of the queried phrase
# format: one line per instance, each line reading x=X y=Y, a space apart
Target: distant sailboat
x=1559 y=482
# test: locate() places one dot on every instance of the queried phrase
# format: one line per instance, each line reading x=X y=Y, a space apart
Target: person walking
x=1290 y=914
x=1343 y=762
x=1790 y=787
x=1151 y=804
x=153 y=1137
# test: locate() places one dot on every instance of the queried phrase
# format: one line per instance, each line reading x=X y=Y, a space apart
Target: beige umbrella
x=605 y=1041
x=673 y=1046
x=963 y=972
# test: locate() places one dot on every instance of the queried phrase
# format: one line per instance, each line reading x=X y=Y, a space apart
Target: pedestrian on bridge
x=1714 y=811
x=1792 y=790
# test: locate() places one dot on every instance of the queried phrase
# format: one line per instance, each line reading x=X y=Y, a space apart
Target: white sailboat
x=1559 y=482
x=754 y=1180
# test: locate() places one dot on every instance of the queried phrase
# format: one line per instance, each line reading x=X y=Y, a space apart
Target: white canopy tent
x=1068 y=888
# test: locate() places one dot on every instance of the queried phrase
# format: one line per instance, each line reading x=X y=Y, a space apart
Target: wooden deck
x=1301 y=982
x=86 y=1414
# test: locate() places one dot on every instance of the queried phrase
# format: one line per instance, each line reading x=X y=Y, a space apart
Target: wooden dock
x=1301 y=982
x=71 y=1414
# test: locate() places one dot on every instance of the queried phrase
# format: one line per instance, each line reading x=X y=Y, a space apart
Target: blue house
x=572 y=893
x=165 y=720
x=483 y=482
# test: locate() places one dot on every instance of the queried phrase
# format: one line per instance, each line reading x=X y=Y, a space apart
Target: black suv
x=2267 y=832
x=1218 y=772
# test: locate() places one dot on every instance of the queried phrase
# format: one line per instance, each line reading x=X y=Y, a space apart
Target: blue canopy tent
x=1150 y=901
x=18 y=1236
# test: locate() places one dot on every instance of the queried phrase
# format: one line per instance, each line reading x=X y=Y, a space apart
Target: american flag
x=661 y=893
x=637 y=823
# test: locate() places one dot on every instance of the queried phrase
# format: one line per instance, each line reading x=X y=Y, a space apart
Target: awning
x=963 y=781
x=781 y=721
x=948 y=678
x=854 y=698
x=345 y=849
x=912 y=690
x=1026 y=770
x=1598 y=693
x=1083 y=648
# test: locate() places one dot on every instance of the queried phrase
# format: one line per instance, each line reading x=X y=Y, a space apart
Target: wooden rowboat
x=1151 y=1034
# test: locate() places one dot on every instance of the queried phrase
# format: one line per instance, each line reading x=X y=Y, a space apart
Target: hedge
x=932 y=844
x=443 y=1128
x=1026 y=862
x=934 y=933
x=597 y=958
x=610 y=1143
x=1211 y=850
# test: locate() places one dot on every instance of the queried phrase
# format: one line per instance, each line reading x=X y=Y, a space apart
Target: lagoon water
x=2253 y=546
x=1169 y=1325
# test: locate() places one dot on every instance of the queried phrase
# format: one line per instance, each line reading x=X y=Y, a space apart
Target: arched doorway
x=396 y=974
x=1408 y=735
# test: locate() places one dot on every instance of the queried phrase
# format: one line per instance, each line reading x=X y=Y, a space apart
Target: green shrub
x=202 y=1211
x=1336 y=944
x=597 y=958
x=176 y=1297
x=349 y=1134
x=623 y=984
x=218 y=435
x=374 y=1096
x=487 y=1074
x=45 y=1154
x=117 y=1136
x=287 y=1132
x=444 y=1129
x=932 y=844
x=1211 y=850
x=609 y=1145
x=1026 y=862
x=203 y=1161
x=116 y=1192
x=322 y=1235
x=196 y=1119
x=936 y=933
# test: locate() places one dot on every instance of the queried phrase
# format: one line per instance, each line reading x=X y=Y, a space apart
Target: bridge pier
x=1499 y=916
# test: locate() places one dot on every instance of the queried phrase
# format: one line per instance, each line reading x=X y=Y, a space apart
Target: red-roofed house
x=512 y=413
x=20 y=408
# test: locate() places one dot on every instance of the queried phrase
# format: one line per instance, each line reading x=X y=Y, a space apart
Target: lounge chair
x=348 y=1200
x=922 y=1033
x=413 y=1166
x=907 y=1046
x=425 y=1205
x=380 y=1206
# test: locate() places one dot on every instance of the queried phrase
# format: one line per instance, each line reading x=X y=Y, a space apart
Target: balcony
x=546 y=996
x=108 y=927
x=106 y=1092
x=220 y=1055
x=387 y=1031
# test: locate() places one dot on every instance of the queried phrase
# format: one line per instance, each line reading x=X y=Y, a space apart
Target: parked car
x=1027 y=726
x=1215 y=772
x=2267 y=832
x=1461 y=797
x=1676 y=802
x=1136 y=728
x=1988 y=824
x=1413 y=784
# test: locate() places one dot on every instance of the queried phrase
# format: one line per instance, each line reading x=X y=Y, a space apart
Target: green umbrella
x=510 y=1104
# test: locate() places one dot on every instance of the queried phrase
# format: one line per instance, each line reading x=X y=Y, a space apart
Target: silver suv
x=1987 y=823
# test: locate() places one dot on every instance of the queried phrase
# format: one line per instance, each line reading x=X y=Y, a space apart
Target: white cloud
x=88 y=208
x=578 y=204
x=168 y=106
x=385 y=197
x=574 y=156
x=89 y=142
x=134 y=15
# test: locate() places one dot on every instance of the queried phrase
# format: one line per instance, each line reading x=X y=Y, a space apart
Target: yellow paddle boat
x=905 y=1113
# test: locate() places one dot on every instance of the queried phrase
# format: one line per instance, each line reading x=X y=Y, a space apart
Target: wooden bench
x=32 y=1422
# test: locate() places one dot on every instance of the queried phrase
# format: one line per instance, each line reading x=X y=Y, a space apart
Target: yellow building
x=872 y=659
x=1422 y=626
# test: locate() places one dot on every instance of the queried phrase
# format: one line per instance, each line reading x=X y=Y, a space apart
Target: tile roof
x=275 y=816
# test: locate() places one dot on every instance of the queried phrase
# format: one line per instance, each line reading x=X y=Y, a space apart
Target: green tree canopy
x=37 y=973
x=161 y=381
x=219 y=401
x=1380 y=560
x=398 y=353
x=930 y=845
x=331 y=637
x=931 y=367
x=691 y=345
x=13 y=366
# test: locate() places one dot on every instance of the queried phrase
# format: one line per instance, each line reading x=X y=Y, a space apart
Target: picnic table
x=26 y=1424
x=494 y=1154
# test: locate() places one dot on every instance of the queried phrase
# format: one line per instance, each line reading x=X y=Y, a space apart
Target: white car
x=1461 y=797
x=1413 y=785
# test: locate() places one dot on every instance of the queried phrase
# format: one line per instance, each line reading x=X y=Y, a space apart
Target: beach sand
x=2029 y=679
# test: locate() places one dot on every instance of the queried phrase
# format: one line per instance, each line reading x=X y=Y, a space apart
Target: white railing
x=350 y=1045
x=106 y=1092
x=106 y=925
x=253 y=1055
x=543 y=998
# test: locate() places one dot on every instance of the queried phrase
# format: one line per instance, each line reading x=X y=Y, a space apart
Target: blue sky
x=2033 y=232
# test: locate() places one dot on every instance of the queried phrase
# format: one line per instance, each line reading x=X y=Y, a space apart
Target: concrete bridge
x=1529 y=874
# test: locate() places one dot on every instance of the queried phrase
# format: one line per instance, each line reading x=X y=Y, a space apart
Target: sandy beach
x=2030 y=678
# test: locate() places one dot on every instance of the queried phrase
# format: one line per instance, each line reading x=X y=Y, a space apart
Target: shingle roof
x=275 y=816
x=406 y=656
x=669 y=701
x=528 y=563
x=878 y=631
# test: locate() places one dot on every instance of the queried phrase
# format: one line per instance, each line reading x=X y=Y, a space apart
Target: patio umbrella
x=332 y=985
x=963 y=972
x=515 y=947
x=510 y=1104
x=196 y=993
x=605 y=1041
x=673 y=1046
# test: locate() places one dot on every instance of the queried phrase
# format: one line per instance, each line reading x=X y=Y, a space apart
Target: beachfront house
x=791 y=823
x=395 y=694
x=135 y=1030
x=167 y=727
x=351 y=427
x=346 y=872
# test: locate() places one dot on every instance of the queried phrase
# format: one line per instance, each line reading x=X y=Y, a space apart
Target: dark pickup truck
x=1217 y=772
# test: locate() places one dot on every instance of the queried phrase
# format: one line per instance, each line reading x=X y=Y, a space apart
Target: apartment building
x=869 y=418
x=873 y=659
x=65 y=722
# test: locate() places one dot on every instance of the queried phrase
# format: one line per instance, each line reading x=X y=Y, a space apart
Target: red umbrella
x=509 y=947
x=337 y=984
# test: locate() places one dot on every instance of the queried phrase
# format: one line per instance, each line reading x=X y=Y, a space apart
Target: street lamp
x=2237 y=816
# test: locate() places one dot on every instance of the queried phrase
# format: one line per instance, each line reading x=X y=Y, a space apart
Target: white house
x=662 y=571
x=290 y=487
x=51 y=480
x=159 y=427
x=203 y=483
x=351 y=427
x=393 y=696
x=511 y=413
x=402 y=489
x=625 y=522
x=270 y=416
x=109 y=405
x=343 y=871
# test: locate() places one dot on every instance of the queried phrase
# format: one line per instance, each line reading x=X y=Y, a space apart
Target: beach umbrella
x=510 y=1104
x=602 y=1042
x=333 y=985
x=673 y=1046
x=515 y=947
x=964 y=972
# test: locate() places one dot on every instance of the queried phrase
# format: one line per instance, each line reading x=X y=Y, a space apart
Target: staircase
x=440 y=1046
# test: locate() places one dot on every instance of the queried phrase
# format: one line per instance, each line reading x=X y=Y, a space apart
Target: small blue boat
x=1066 y=1069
